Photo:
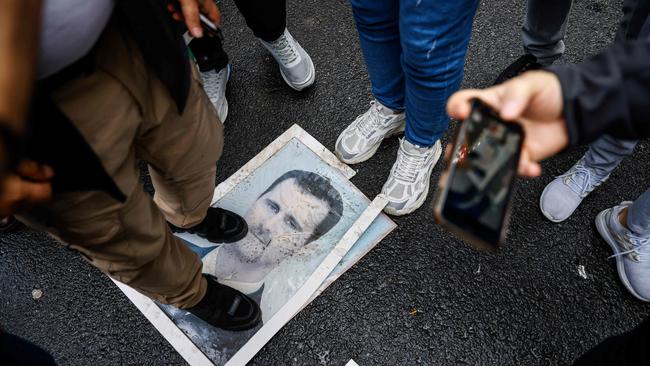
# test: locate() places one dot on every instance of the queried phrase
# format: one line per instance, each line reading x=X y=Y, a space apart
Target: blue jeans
x=415 y=53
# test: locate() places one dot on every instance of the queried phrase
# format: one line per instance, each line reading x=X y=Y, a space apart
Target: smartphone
x=209 y=27
x=473 y=197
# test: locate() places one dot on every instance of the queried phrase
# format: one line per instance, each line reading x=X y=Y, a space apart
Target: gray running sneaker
x=214 y=84
x=361 y=139
x=408 y=184
x=564 y=194
x=296 y=66
x=632 y=252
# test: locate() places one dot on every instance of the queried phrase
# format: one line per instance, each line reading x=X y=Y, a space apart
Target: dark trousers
x=266 y=18
x=15 y=351
x=628 y=349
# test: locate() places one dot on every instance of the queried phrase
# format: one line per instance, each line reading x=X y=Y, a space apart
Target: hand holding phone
x=209 y=27
x=535 y=101
x=474 y=192
x=198 y=15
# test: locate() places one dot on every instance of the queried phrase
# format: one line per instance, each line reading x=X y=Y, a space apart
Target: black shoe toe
x=219 y=226
x=8 y=223
x=226 y=308
x=226 y=226
x=524 y=63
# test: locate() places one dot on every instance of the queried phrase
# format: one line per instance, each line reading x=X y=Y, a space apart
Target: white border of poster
x=310 y=289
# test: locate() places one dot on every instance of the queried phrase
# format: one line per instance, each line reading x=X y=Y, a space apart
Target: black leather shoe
x=8 y=223
x=524 y=63
x=226 y=308
x=219 y=226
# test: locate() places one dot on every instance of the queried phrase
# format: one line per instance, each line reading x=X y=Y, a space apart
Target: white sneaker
x=565 y=193
x=361 y=139
x=632 y=251
x=214 y=84
x=296 y=66
x=408 y=184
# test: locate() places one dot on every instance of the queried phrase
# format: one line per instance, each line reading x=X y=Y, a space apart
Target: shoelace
x=640 y=247
x=285 y=50
x=582 y=189
x=408 y=165
x=219 y=85
x=368 y=126
x=215 y=80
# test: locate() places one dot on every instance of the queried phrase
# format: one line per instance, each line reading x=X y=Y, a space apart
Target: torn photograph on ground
x=298 y=207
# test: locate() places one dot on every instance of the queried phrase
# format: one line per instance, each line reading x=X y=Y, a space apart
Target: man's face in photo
x=283 y=220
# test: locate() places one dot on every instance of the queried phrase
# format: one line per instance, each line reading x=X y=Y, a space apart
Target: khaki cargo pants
x=125 y=114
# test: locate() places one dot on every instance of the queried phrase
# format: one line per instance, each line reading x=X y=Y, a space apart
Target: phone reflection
x=485 y=167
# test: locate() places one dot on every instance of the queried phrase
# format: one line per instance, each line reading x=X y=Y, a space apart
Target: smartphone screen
x=480 y=176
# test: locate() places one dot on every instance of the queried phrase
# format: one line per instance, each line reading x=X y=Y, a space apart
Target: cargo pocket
x=100 y=240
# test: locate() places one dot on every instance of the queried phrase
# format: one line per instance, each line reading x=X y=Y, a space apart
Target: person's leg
x=182 y=152
x=268 y=21
x=542 y=35
x=563 y=195
x=544 y=29
x=606 y=153
x=631 y=22
x=377 y=23
x=266 y=18
x=434 y=36
x=638 y=216
x=130 y=241
x=434 y=39
x=117 y=108
x=378 y=27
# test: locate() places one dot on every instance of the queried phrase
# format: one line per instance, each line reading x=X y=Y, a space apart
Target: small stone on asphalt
x=37 y=293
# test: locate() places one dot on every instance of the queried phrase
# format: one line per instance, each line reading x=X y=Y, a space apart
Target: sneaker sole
x=601 y=226
x=305 y=84
x=423 y=198
x=225 y=103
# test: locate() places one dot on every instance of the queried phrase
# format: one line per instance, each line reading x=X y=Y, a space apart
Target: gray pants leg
x=624 y=28
x=544 y=29
x=606 y=153
x=638 y=216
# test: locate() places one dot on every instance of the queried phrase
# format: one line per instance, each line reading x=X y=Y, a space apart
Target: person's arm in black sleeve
x=608 y=93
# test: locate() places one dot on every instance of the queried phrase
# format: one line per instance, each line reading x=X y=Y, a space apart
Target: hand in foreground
x=534 y=100
x=189 y=12
x=27 y=187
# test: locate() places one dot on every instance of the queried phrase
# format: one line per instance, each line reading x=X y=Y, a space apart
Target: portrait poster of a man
x=297 y=208
x=295 y=211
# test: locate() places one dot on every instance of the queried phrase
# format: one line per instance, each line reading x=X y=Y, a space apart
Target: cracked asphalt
x=544 y=298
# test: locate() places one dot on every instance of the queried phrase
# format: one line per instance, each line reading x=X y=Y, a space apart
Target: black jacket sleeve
x=608 y=93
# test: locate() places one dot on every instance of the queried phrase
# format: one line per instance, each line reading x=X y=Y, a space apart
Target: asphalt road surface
x=525 y=305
